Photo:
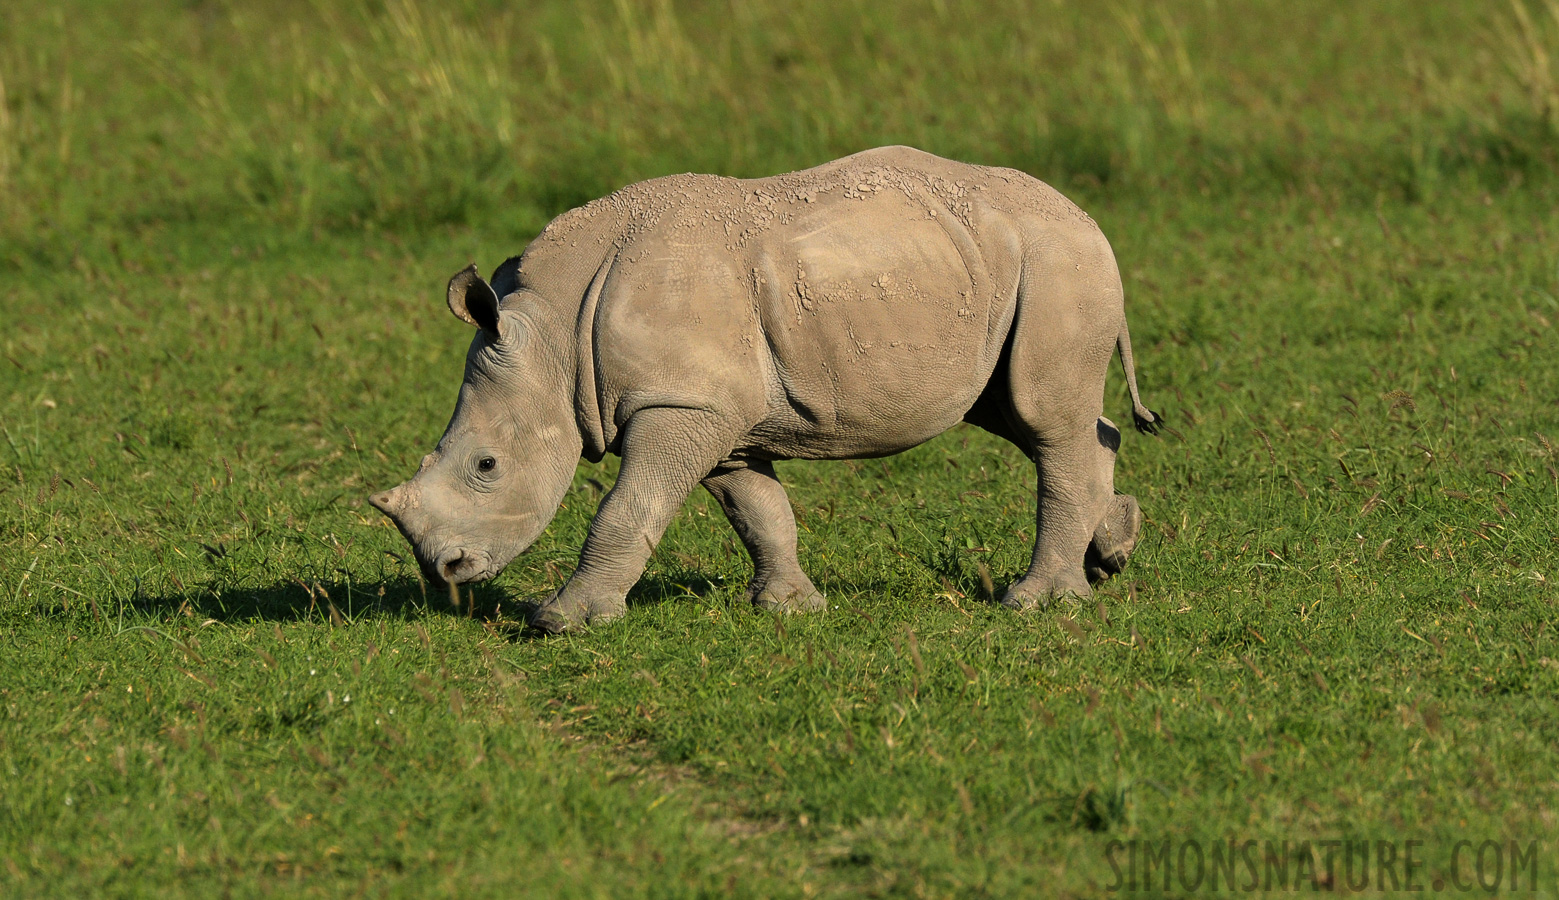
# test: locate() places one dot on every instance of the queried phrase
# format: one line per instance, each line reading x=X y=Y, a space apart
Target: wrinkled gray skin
x=703 y=327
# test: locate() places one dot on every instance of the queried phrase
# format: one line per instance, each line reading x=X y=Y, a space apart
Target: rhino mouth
x=461 y=566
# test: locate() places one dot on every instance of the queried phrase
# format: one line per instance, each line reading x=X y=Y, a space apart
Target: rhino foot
x=1114 y=539
x=558 y=614
x=786 y=593
x=1036 y=593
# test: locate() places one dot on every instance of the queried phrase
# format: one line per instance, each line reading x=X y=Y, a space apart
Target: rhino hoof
x=795 y=602
x=605 y=613
x=1029 y=595
x=551 y=620
x=1025 y=602
x=1114 y=539
x=791 y=595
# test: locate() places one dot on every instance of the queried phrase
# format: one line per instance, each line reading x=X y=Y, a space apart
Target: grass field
x=224 y=235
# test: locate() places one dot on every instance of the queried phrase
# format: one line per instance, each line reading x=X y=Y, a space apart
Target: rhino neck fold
x=596 y=430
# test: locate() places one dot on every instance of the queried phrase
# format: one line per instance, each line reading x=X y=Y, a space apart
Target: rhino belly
x=882 y=322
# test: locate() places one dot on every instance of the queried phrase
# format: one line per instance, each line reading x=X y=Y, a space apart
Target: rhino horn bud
x=391 y=501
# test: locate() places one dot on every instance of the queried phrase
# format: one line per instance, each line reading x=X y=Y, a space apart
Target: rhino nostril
x=451 y=567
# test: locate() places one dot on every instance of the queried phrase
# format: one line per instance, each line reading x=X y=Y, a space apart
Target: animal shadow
x=295 y=600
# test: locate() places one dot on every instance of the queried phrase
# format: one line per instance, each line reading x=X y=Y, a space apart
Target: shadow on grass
x=295 y=601
x=402 y=598
x=412 y=599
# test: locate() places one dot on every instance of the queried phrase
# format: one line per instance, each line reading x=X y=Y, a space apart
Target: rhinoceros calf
x=703 y=327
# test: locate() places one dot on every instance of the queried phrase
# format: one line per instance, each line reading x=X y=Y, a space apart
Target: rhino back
x=854 y=309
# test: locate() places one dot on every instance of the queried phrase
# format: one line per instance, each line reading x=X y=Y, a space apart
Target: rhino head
x=500 y=471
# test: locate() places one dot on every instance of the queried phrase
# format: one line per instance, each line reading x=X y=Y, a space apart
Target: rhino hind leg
x=1070 y=468
x=1046 y=395
x=1113 y=539
x=1073 y=493
x=755 y=503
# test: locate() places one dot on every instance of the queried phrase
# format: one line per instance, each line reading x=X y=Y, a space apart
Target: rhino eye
x=486 y=464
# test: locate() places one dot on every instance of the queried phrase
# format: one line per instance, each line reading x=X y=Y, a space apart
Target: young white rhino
x=703 y=327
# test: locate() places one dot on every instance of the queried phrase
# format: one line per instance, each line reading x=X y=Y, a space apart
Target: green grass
x=224 y=232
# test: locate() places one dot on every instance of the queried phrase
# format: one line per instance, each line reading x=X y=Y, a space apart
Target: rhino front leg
x=665 y=453
x=755 y=502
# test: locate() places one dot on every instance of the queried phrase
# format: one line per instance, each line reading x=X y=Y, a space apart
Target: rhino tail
x=1146 y=420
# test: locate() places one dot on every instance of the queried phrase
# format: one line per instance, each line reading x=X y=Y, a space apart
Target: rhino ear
x=473 y=301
